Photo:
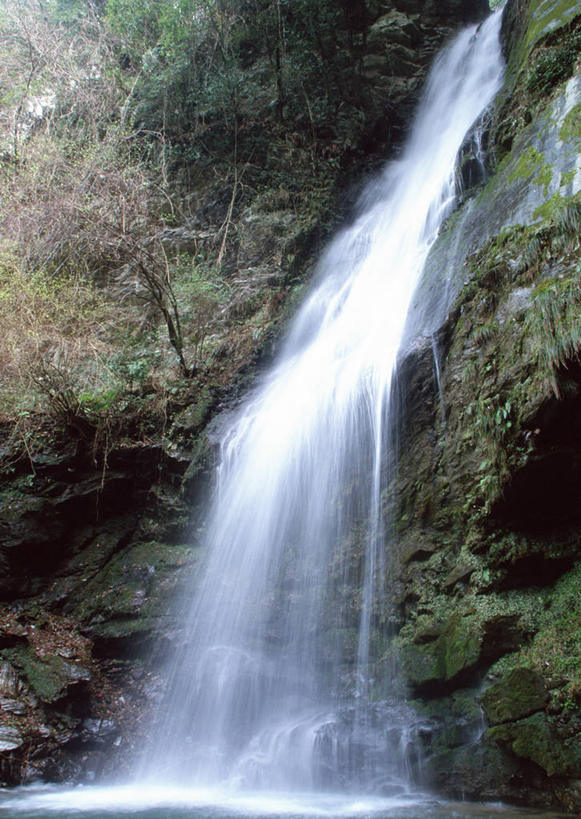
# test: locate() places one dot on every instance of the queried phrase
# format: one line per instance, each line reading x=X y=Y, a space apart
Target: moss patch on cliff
x=539 y=739
x=518 y=694
x=571 y=128
x=531 y=165
x=545 y=38
x=517 y=328
x=133 y=591
x=48 y=675
x=546 y=16
x=555 y=650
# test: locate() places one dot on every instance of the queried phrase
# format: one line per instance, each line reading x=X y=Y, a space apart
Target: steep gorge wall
x=486 y=508
x=487 y=576
x=99 y=527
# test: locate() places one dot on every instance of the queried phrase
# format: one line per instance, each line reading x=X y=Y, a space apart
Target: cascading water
x=276 y=686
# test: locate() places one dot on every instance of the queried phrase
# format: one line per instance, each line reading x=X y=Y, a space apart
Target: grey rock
x=10 y=738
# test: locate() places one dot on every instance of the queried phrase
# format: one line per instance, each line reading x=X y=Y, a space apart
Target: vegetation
x=107 y=111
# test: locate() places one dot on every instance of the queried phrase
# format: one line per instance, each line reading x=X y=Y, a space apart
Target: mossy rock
x=517 y=694
x=453 y=721
x=538 y=738
x=571 y=128
x=546 y=16
x=447 y=659
x=474 y=771
x=191 y=419
x=49 y=676
x=132 y=592
x=556 y=648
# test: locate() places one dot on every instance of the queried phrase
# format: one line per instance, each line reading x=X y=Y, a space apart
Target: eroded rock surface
x=488 y=491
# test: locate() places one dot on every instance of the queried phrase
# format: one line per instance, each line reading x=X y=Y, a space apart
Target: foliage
x=518 y=333
x=556 y=648
x=53 y=352
x=553 y=321
x=555 y=64
x=85 y=279
x=55 y=59
x=205 y=65
x=105 y=106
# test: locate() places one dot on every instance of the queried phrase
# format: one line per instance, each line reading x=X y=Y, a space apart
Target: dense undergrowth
x=134 y=136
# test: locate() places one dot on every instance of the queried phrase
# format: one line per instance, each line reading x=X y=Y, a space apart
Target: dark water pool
x=139 y=802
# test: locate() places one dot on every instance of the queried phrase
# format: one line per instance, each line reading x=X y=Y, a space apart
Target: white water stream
x=275 y=687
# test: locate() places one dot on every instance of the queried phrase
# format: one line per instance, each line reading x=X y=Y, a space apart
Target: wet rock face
x=47 y=520
x=520 y=693
x=465 y=11
x=487 y=494
x=93 y=556
x=542 y=739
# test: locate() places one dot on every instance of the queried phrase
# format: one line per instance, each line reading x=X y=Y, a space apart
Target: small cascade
x=284 y=681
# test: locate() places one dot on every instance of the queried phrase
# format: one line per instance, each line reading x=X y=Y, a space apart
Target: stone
x=11 y=706
x=393 y=27
x=10 y=738
x=48 y=676
x=517 y=694
x=10 y=684
x=442 y=662
x=460 y=573
x=537 y=738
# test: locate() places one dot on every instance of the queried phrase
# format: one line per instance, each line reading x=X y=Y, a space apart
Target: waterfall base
x=182 y=803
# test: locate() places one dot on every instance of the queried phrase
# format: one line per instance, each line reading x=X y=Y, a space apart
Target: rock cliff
x=487 y=566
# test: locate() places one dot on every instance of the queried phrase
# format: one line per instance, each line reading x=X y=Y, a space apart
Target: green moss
x=554 y=65
x=460 y=646
x=48 y=676
x=508 y=311
x=529 y=162
x=567 y=178
x=546 y=16
x=123 y=627
x=554 y=327
x=531 y=165
x=192 y=418
x=556 y=649
x=517 y=694
x=571 y=128
x=548 y=209
x=133 y=589
x=456 y=650
x=537 y=738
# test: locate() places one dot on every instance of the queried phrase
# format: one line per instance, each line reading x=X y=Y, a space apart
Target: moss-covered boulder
x=540 y=738
x=50 y=675
x=453 y=653
x=518 y=694
x=132 y=594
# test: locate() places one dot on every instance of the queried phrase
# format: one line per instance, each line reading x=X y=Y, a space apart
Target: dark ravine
x=95 y=539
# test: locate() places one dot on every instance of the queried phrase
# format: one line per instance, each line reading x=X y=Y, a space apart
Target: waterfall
x=282 y=681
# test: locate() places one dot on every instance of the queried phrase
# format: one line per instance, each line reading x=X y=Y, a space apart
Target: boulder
x=519 y=693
